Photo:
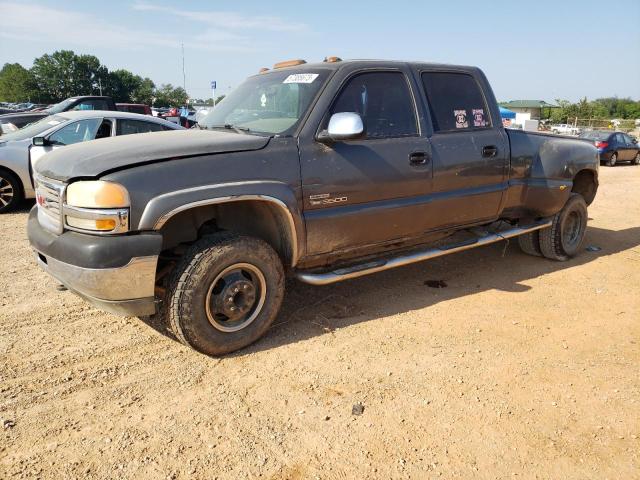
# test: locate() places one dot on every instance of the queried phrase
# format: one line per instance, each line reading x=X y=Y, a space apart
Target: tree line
x=62 y=74
x=600 y=109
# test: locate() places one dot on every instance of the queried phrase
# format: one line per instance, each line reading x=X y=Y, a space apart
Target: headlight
x=97 y=194
x=97 y=206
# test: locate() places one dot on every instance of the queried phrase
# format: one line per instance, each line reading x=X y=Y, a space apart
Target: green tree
x=17 y=84
x=169 y=96
x=122 y=85
x=64 y=74
x=145 y=91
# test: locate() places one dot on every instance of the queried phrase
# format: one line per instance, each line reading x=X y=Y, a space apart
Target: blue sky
x=529 y=50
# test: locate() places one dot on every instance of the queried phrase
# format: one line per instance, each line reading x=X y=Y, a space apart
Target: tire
x=530 y=243
x=10 y=191
x=217 y=274
x=563 y=238
x=613 y=159
x=636 y=160
x=554 y=131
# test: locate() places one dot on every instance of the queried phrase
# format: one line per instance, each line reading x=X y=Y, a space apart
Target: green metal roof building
x=537 y=108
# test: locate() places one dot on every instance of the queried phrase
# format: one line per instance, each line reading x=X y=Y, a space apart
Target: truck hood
x=92 y=159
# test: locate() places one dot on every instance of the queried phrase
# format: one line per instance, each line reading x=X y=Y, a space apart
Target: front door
x=367 y=191
x=469 y=149
x=75 y=132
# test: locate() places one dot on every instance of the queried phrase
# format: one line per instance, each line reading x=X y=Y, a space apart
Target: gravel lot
x=519 y=368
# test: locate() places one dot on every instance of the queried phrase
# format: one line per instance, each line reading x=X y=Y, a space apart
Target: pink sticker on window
x=478 y=118
x=461 y=118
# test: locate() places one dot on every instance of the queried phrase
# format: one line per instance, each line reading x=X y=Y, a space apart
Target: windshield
x=595 y=135
x=268 y=103
x=36 y=128
x=60 y=107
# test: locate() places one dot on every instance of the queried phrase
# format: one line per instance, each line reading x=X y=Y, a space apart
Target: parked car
x=565 y=129
x=21 y=119
x=7 y=128
x=20 y=151
x=614 y=147
x=134 y=108
x=324 y=172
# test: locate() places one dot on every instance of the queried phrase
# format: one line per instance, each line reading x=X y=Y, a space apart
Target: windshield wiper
x=229 y=126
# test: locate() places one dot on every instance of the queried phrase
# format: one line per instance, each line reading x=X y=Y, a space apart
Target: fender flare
x=159 y=210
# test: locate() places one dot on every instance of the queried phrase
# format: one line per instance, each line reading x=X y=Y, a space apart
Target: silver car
x=21 y=150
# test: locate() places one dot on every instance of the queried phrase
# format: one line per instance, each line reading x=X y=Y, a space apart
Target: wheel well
x=585 y=184
x=262 y=219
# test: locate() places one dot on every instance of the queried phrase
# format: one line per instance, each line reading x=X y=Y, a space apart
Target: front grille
x=50 y=196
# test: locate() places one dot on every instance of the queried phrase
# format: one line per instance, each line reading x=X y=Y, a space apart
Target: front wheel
x=612 y=160
x=224 y=293
x=10 y=191
x=563 y=238
x=636 y=160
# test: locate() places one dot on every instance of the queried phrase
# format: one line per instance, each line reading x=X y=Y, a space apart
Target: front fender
x=162 y=207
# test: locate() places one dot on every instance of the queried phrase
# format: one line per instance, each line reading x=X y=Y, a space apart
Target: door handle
x=418 y=158
x=489 y=151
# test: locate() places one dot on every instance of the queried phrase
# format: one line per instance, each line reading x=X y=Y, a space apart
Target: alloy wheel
x=6 y=192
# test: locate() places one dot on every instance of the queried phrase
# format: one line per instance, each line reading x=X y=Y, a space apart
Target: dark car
x=614 y=147
x=323 y=172
x=134 y=108
x=20 y=119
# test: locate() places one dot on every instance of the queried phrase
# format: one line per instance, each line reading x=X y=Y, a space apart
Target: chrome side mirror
x=345 y=126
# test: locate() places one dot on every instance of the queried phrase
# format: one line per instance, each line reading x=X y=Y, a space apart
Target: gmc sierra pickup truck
x=323 y=172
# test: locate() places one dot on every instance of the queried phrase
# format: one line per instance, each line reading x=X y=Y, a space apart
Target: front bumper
x=116 y=274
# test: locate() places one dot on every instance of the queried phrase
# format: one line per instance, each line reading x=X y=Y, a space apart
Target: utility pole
x=100 y=84
x=184 y=76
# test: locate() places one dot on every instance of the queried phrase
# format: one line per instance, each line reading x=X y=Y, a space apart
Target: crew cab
x=324 y=172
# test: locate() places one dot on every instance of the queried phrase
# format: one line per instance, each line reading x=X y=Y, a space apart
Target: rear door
x=470 y=151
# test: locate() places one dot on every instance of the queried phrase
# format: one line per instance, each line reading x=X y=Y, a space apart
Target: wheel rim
x=6 y=192
x=638 y=159
x=236 y=297
x=572 y=230
x=614 y=157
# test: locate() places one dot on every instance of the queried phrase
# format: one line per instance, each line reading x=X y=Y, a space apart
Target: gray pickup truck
x=323 y=172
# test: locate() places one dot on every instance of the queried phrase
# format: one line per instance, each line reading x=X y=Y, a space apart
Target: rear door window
x=455 y=101
x=131 y=127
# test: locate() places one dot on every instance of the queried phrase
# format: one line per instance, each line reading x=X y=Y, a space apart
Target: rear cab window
x=456 y=102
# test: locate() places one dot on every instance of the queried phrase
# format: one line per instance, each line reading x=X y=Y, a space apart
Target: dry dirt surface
x=519 y=367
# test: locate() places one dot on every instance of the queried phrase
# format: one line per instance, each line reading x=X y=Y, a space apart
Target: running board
x=374 y=266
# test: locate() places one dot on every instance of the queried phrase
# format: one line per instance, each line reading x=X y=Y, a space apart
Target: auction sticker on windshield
x=301 y=78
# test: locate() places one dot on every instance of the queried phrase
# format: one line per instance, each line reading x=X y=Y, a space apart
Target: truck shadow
x=309 y=311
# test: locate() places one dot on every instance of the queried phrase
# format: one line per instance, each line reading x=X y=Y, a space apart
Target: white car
x=565 y=129
x=20 y=150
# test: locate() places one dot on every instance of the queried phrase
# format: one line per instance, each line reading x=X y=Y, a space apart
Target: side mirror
x=634 y=140
x=40 y=142
x=344 y=126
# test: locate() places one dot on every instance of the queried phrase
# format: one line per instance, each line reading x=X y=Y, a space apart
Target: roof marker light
x=289 y=63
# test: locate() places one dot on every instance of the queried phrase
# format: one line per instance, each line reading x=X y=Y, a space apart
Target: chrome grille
x=50 y=197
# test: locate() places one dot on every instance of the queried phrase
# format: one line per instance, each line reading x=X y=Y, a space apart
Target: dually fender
x=162 y=207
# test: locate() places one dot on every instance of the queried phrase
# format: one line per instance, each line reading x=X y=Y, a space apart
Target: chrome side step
x=374 y=266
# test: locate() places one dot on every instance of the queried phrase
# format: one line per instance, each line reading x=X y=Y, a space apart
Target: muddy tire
x=530 y=243
x=10 y=191
x=563 y=238
x=224 y=293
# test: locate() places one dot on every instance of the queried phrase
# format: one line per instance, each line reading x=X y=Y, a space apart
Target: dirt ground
x=519 y=368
